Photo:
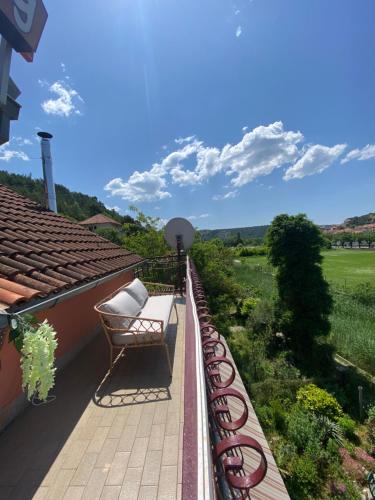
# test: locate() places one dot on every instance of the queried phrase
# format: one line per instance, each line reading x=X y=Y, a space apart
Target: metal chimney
x=47 y=170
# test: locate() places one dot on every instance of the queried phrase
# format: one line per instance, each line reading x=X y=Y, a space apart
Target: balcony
x=139 y=434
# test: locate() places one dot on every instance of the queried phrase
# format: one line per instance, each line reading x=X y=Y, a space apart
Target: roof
x=99 y=219
x=42 y=253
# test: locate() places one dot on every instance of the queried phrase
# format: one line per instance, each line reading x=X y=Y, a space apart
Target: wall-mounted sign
x=22 y=23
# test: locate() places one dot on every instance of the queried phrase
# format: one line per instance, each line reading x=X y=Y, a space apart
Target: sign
x=22 y=23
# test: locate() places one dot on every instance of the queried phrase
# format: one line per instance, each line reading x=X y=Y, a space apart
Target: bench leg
x=175 y=306
x=110 y=358
x=169 y=359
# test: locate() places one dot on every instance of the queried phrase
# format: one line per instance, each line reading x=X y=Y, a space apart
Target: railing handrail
x=228 y=444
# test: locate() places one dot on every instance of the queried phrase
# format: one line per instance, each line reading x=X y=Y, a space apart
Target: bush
x=248 y=305
x=279 y=416
x=285 y=454
x=249 y=353
x=371 y=423
x=347 y=426
x=269 y=389
x=214 y=264
x=251 y=251
x=303 y=429
x=262 y=316
x=319 y=401
x=304 y=481
x=329 y=430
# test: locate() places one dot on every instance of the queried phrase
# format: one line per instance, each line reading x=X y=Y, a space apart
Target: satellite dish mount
x=179 y=234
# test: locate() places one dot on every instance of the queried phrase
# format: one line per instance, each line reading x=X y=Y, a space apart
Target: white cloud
x=244 y=129
x=9 y=155
x=10 y=151
x=115 y=208
x=161 y=223
x=43 y=82
x=21 y=141
x=227 y=196
x=145 y=186
x=65 y=103
x=196 y=217
x=63 y=67
x=236 y=12
x=365 y=153
x=315 y=160
x=183 y=140
x=259 y=152
x=238 y=31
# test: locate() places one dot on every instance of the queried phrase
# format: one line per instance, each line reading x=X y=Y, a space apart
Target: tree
x=214 y=264
x=304 y=302
x=110 y=234
x=145 y=236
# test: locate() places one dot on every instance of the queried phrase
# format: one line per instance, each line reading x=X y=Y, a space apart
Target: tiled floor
x=118 y=440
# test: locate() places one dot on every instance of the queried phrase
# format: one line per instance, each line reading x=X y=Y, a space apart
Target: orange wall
x=73 y=320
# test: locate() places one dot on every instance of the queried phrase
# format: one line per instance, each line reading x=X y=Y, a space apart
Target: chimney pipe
x=49 y=185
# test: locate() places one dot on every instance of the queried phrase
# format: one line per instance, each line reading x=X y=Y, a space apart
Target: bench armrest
x=137 y=324
x=159 y=289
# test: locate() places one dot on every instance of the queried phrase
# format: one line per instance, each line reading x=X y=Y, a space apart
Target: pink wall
x=73 y=320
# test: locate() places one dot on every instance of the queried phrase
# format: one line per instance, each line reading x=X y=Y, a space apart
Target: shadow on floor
x=30 y=445
x=140 y=376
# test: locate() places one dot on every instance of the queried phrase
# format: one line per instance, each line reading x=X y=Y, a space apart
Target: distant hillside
x=360 y=220
x=245 y=232
x=74 y=205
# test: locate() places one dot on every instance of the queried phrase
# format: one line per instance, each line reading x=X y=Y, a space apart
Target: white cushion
x=122 y=303
x=158 y=308
x=138 y=291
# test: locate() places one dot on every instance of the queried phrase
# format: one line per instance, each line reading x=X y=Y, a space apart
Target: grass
x=251 y=274
x=349 y=267
x=343 y=268
x=353 y=323
x=353 y=331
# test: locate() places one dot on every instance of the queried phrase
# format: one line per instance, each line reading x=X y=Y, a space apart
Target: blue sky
x=227 y=112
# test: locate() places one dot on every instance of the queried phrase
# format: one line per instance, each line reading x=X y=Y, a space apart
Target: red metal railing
x=230 y=449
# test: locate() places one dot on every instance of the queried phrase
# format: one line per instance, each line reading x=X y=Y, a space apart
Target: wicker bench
x=137 y=315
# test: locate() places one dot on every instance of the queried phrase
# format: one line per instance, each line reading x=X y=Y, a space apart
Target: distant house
x=57 y=270
x=100 y=221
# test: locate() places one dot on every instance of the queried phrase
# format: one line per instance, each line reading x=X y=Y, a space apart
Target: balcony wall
x=75 y=322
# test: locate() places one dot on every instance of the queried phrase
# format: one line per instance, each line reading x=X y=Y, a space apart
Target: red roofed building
x=100 y=221
x=57 y=270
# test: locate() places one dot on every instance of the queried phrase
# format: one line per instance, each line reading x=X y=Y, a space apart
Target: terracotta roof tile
x=99 y=219
x=42 y=253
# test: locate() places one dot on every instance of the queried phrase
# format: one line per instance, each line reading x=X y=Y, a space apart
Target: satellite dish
x=179 y=234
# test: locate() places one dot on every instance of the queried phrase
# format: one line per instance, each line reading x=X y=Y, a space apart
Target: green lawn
x=353 y=323
x=340 y=267
x=349 y=267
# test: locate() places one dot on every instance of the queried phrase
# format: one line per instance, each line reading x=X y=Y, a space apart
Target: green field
x=340 y=267
x=353 y=322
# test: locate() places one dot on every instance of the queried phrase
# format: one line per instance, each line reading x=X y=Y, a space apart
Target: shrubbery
x=319 y=401
x=214 y=264
x=347 y=426
x=304 y=423
x=251 y=251
x=371 y=423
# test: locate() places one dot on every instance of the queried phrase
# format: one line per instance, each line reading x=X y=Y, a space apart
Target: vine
x=37 y=344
